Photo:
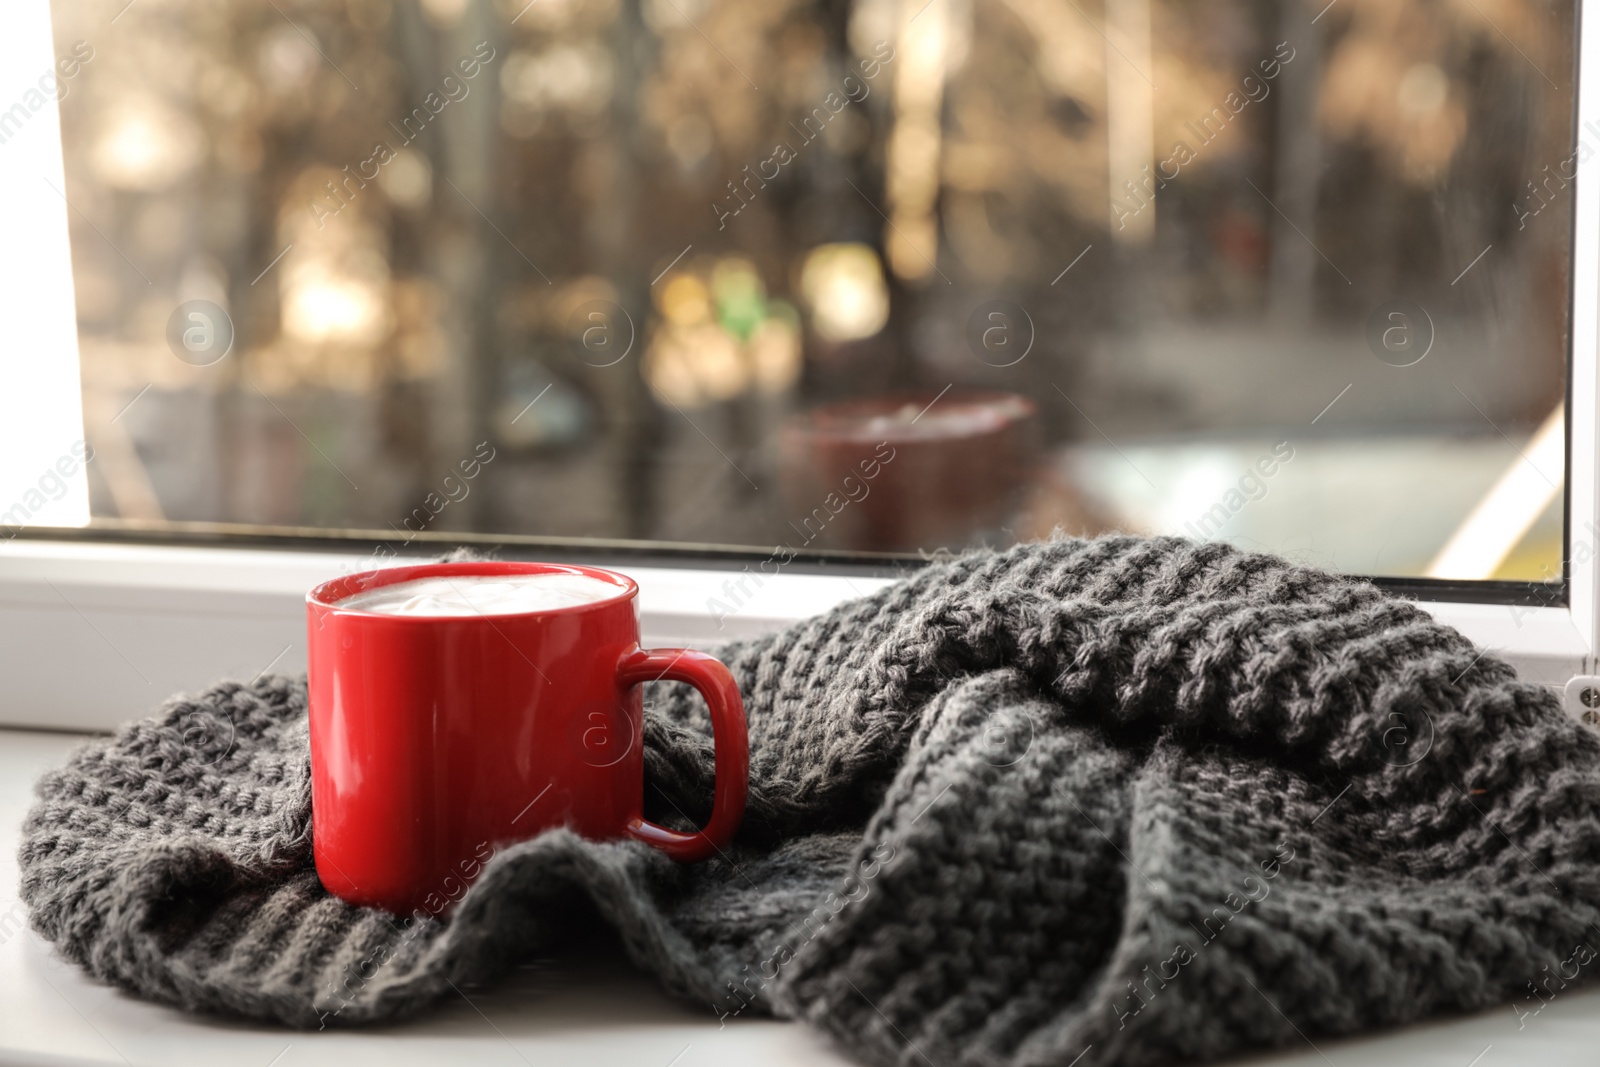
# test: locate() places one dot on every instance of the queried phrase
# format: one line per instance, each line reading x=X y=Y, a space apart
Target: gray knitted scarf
x=1110 y=801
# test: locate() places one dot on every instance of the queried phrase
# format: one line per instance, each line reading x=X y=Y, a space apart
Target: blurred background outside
x=874 y=275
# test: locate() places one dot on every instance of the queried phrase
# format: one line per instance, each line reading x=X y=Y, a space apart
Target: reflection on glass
x=1291 y=275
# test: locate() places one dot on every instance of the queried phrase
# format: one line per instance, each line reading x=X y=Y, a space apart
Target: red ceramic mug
x=436 y=739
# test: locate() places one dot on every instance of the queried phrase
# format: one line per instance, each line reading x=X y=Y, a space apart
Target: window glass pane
x=880 y=275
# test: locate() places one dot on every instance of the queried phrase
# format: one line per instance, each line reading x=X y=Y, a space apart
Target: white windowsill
x=573 y=1010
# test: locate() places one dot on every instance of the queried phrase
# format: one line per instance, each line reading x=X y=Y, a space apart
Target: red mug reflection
x=436 y=740
x=908 y=470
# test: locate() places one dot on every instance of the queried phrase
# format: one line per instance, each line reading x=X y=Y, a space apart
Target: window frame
x=96 y=628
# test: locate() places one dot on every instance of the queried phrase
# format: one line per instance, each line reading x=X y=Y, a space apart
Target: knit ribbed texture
x=1140 y=797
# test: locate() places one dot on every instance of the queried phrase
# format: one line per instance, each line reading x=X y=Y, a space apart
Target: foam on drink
x=484 y=594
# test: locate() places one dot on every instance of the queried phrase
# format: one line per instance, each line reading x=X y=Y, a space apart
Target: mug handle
x=732 y=741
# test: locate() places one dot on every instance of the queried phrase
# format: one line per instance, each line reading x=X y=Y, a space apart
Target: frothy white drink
x=484 y=594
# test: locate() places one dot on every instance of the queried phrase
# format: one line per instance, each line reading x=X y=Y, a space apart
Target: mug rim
x=327 y=595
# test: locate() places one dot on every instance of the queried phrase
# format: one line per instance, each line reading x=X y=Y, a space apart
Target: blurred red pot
x=908 y=471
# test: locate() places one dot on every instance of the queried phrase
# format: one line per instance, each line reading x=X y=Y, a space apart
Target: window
x=877 y=277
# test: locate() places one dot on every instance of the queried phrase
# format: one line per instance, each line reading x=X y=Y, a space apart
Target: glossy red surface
x=437 y=740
